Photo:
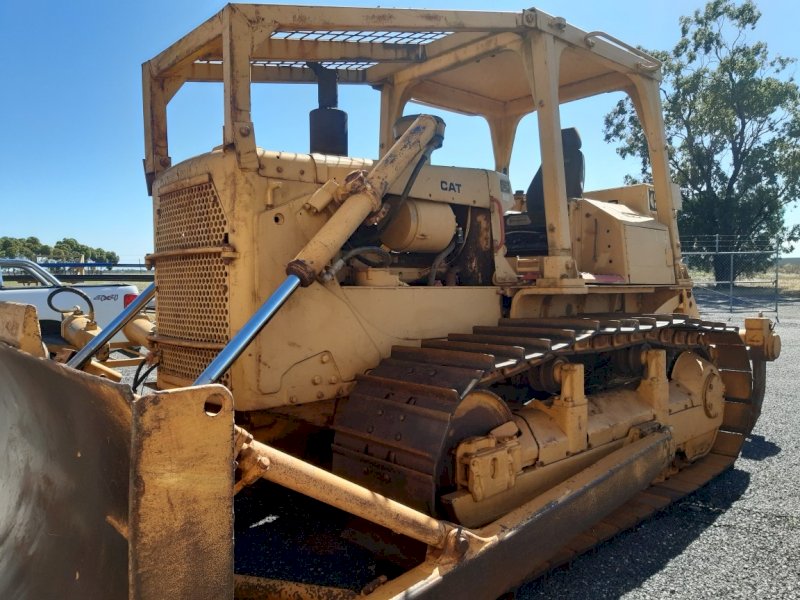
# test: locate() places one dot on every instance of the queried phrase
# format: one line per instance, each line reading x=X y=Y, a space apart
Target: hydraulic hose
x=435 y=143
x=77 y=292
x=139 y=378
x=386 y=259
x=437 y=262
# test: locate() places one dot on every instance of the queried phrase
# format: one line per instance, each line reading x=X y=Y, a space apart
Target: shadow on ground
x=758 y=448
x=741 y=299
x=283 y=535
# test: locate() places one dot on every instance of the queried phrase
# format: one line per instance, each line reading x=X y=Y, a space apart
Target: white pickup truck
x=38 y=283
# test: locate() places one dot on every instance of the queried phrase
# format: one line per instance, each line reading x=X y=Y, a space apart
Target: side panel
x=325 y=335
x=646 y=251
x=614 y=240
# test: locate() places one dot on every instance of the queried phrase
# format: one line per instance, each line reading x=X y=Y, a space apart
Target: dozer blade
x=85 y=466
x=64 y=451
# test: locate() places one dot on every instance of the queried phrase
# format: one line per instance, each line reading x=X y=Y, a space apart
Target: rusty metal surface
x=452 y=358
x=457 y=378
x=259 y=588
x=366 y=459
x=536 y=531
x=529 y=343
x=64 y=438
x=521 y=331
x=19 y=327
x=396 y=436
x=495 y=349
x=181 y=524
x=322 y=485
x=66 y=460
x=722 y=456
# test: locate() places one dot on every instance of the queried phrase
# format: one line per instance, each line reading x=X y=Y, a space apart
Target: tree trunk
x=723 y=273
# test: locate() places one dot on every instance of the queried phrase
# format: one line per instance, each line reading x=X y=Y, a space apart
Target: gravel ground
x=737 y=537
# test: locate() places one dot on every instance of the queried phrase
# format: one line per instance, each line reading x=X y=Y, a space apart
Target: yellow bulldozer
x=481 y=383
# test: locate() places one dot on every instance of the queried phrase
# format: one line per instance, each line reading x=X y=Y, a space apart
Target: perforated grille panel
x=190 y=218
x=364 y=37
x=192 y=300
x=186 y=363
x=342 y=65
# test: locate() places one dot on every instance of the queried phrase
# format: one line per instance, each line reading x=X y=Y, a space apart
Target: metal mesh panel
x=187 y=363
x=368 y=37
x=192 y=299
x=733 y=272
x=192 y=302
x=344 y=65
x=190 y=218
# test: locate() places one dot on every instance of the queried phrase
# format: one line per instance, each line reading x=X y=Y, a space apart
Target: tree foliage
x=66 y=250
x=732 y=118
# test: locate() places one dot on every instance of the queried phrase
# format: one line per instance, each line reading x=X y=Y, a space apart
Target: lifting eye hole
x=214 y=405
x=212 y=409
x=278 y=219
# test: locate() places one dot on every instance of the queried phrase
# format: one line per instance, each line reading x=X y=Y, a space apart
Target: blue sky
x=71 y=157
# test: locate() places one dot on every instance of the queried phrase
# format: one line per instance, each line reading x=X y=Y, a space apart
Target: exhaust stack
x=328 y=124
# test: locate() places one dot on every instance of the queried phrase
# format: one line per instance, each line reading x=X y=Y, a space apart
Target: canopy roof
x=467 y=61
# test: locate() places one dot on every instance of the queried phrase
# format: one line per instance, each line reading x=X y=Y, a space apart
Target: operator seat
x=526 y=233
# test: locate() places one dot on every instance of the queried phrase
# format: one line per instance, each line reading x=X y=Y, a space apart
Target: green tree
x=732 y=117
x=66 y=250
x=29 y=248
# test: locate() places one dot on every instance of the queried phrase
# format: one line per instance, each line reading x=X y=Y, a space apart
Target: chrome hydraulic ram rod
x=239 y=342
x=86 y=353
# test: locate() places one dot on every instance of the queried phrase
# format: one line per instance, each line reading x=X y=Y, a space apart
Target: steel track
x=392 y=431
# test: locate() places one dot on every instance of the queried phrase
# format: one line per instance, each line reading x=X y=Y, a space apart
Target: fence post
x=730 y=286
x=777 y=273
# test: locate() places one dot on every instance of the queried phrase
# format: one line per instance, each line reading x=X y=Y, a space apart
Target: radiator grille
x=190 y=218
x=187 y=363
x=192 y=301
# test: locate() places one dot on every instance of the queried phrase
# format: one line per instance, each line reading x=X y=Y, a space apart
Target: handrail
x=651 y=63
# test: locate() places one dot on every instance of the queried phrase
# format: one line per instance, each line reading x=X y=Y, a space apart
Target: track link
x=743 y=399
x=392 y=431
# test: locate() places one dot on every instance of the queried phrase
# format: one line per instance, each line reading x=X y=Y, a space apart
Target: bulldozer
x=478 y=384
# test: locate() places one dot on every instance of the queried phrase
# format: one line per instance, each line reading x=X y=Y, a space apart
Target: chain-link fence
x=734 y=274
